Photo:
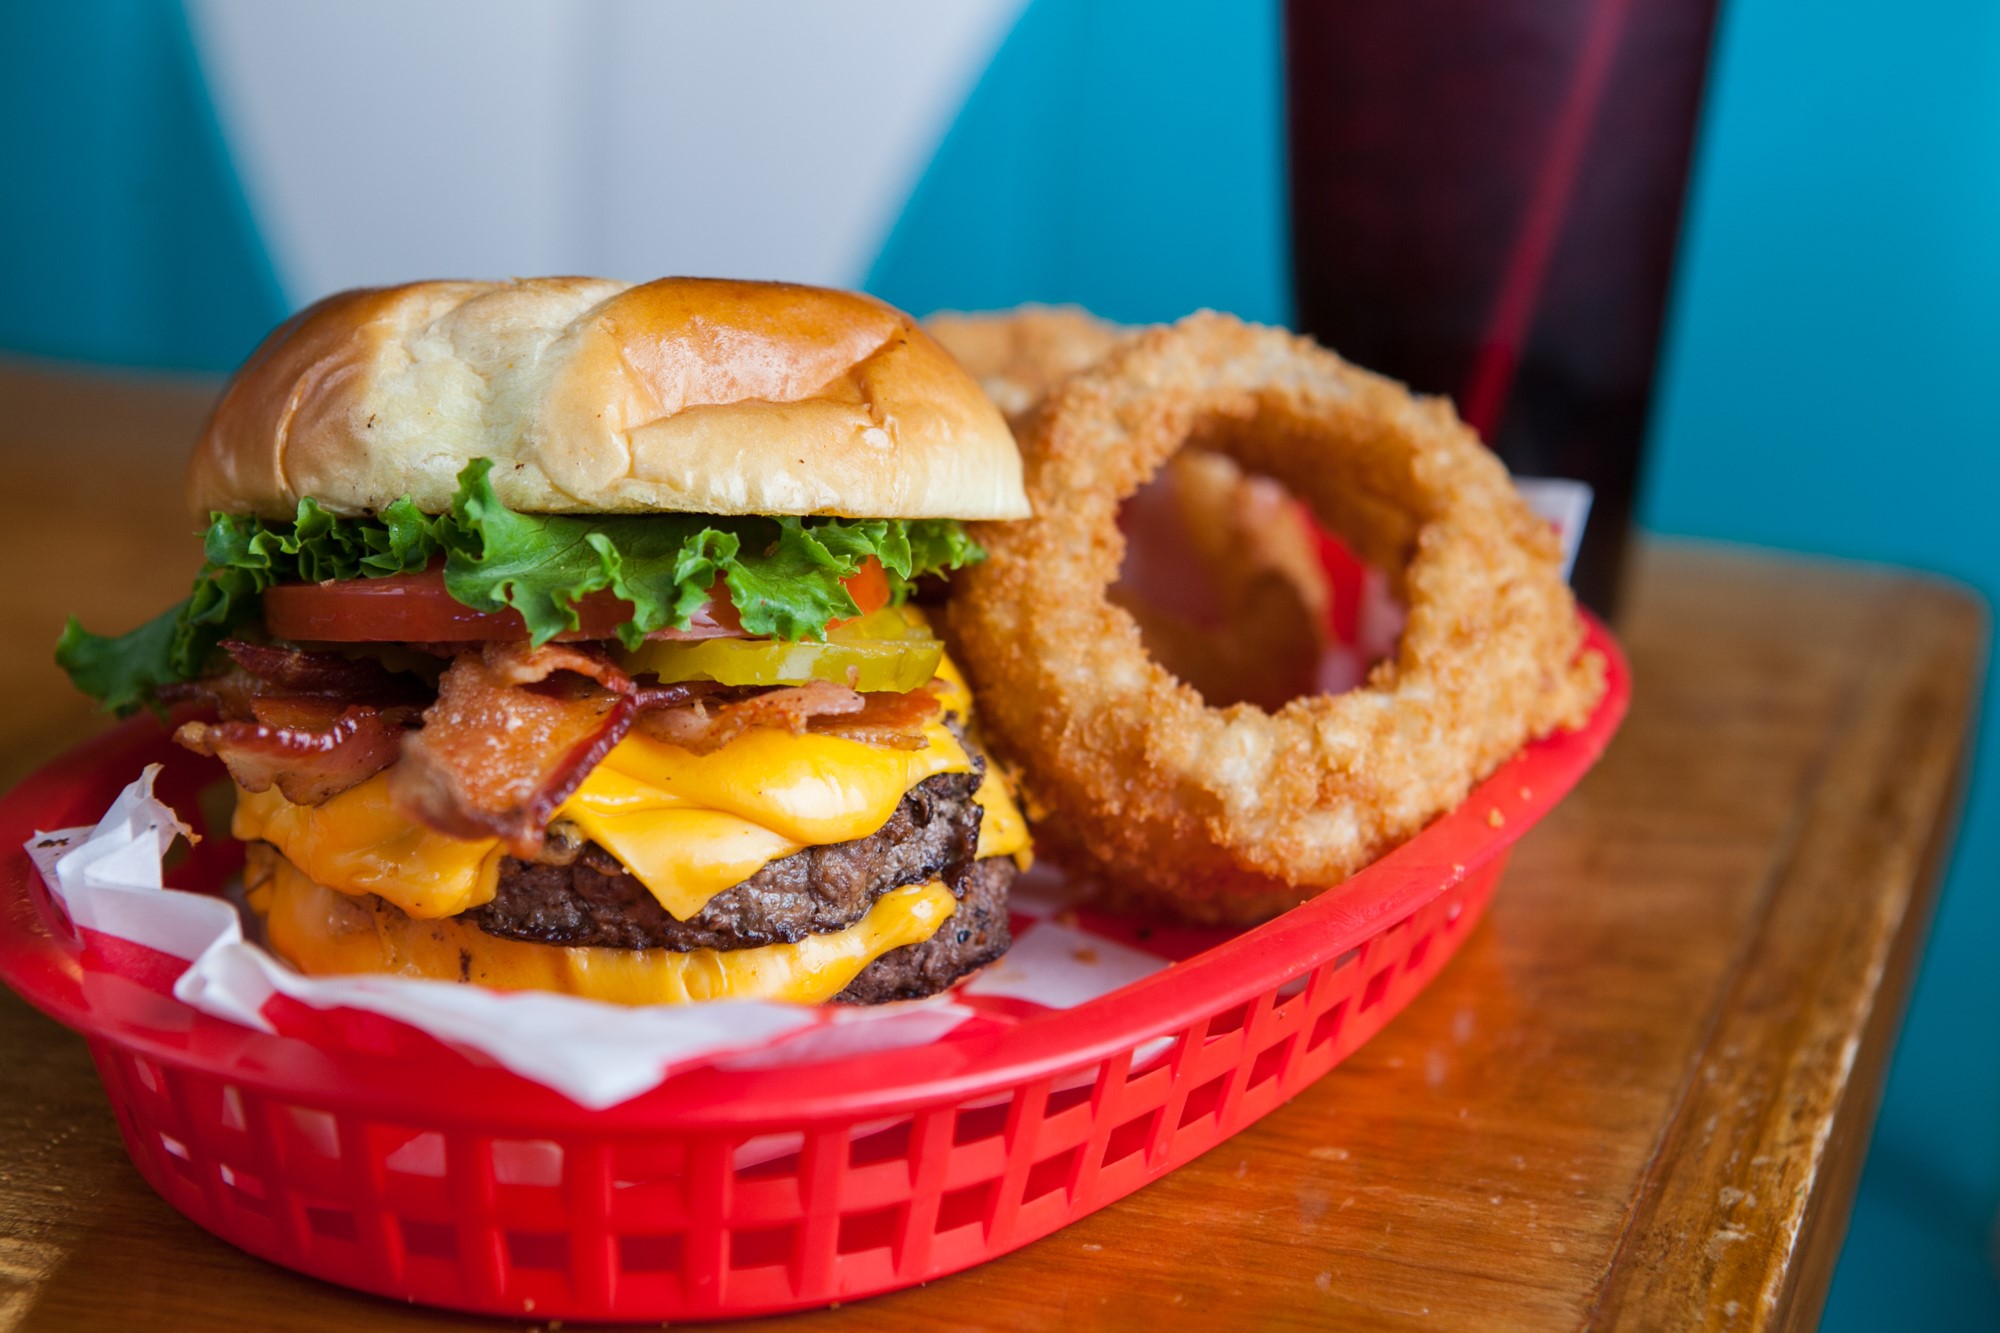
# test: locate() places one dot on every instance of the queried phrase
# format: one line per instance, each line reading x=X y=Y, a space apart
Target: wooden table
x=1639 y=1098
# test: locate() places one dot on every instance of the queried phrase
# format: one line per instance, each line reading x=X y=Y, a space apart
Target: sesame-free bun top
x=590 y=396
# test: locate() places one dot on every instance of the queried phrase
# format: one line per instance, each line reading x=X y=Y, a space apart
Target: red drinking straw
x=1492 y=377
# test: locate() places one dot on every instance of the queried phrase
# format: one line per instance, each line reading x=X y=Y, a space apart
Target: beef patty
x=595 y=901
x=976 y=934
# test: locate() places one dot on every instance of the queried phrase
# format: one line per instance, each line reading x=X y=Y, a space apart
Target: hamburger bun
x=693 y=395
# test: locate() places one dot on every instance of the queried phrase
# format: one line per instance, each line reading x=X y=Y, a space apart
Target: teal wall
x=1132 y=166
x=1825 y=387
x=124 y=237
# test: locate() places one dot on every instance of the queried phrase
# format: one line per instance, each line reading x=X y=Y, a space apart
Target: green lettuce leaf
x=122 y=672
x=783 y=574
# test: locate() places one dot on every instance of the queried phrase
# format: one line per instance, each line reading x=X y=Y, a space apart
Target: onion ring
x=1224 y=577
x=1019 y=355
x=1235 y=814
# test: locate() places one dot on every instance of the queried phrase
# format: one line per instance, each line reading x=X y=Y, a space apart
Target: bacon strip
x=705 y=725
x=513 y=732
x=230 y=694
x=704 y=729
x=334 y=675
x=649 y=698
x=265 y=671
x=893 y=721
x=518 y=664
x=312 y=749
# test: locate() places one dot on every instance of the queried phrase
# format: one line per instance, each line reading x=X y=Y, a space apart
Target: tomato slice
x=415 y=608
x=869 y=587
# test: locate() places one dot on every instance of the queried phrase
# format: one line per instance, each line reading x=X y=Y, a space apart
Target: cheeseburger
x=556 y=635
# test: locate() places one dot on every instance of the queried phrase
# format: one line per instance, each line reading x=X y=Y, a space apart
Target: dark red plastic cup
x=1486 y=196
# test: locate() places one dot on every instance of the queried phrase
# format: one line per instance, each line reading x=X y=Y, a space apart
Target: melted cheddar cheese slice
x=359 y=843
x=687 y=826
x=1002 y=830
x=322 y=933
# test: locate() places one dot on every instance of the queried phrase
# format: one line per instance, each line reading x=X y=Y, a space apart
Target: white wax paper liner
x=108 y=880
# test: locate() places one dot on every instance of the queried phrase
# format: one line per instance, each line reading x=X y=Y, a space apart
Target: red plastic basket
x=413 y=1171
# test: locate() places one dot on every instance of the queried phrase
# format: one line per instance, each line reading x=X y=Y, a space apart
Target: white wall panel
x=381 y=140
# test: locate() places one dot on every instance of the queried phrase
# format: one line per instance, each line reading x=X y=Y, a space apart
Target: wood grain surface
x=1638 y=1099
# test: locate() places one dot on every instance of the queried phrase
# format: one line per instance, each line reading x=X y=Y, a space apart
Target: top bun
x=688 y=394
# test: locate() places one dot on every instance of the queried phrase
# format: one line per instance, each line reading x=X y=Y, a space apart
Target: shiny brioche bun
x=591 y=396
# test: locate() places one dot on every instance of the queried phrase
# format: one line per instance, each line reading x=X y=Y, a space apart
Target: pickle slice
x=891 y=650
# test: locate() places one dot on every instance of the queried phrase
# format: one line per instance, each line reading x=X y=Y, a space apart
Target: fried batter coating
x=1019 y=355
x=1234 y=814
x=1224 y=575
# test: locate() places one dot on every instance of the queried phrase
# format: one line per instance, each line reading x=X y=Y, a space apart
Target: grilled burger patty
x=933 y=834
x=976 y=934
x=595 y=901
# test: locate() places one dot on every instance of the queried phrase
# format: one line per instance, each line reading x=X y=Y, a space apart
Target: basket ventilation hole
x=1378 y=986
x=333 y=1223
x=769 y=1156
x=1129 y=1138
x=978 y=1124
x=963 y=1207
x=1417 y=952
x=884 y=1145
x=423 y=1155
x=876 y=1230
x=232 y=1110
x=178 y=1159
x=1293 y=987
x=1327 y=1026
x=527 y=1162
x=1051 y=1174
x=1453 y=913
x=319 y=1131
x=430 y=1240
x=538 y=1249
x=1204 y=1101
x=649 y=1254
x=1269 y=1062
x=248 y=1189
x=1228 y=1021
x=1345 y=959
x=1065 y=1099
x=1155 y=1054
x=763 y=1248
x=777 y=1168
